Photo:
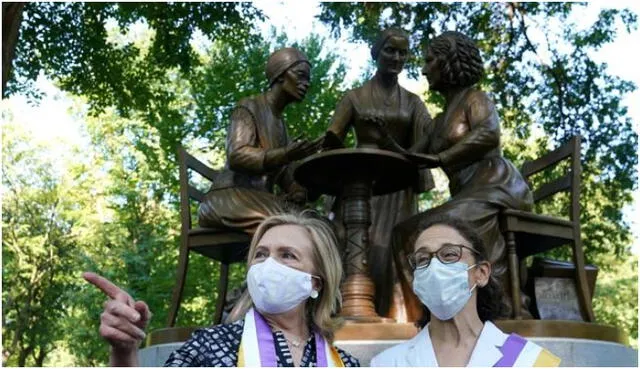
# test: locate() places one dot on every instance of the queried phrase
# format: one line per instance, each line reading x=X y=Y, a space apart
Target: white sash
x=257 y=348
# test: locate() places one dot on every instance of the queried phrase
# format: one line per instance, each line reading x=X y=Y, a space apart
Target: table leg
x=358 y=290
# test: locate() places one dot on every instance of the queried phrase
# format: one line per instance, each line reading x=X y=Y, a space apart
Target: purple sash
x=321 y=355
x=511 y=350
x=267 y=347
x=265 y=342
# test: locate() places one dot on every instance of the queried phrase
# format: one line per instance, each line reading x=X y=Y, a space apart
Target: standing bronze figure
x=259 y=151
x=385 y=116
x=465 y=142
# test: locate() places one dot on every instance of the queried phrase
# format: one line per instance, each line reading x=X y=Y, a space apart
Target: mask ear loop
x=475 y=284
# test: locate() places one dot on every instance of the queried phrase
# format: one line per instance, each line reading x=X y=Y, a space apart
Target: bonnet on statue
x=281 y=60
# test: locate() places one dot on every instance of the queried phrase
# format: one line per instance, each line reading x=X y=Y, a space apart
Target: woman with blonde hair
x=283 y=319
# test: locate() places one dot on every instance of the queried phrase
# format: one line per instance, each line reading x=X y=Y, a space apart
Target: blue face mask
x=443 y=288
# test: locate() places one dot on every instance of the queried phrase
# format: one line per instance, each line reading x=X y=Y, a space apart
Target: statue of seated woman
x=464 y=141
x=259 y=151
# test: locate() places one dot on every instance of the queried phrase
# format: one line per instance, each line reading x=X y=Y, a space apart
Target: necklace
x=295 y=341
x=292 y=339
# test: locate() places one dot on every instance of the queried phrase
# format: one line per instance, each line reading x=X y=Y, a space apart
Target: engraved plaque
x=557 y=299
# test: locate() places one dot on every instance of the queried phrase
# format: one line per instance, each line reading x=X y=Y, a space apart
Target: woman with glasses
x=452 y=277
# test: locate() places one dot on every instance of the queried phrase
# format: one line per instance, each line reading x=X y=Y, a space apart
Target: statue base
x=576 y=343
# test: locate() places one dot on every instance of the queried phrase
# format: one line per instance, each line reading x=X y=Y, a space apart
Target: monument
x=396 y=138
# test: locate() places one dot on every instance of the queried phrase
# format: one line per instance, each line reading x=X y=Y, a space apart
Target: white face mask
x=276 y=288
x=443 y=288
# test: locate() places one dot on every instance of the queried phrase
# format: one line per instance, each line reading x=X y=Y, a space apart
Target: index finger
x=104 y=285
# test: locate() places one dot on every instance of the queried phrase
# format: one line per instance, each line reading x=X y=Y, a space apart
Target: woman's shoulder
x=203 y=346
x=348 y=359
x=390 y=356
x=476 y=95
x=397 y=355
x=526 y=352
x=359 y=92
x=252 y=103
x=410 y=95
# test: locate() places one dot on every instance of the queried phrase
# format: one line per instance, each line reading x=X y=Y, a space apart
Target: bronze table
x=356 y=174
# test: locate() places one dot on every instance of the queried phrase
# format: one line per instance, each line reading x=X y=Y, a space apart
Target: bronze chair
x=223 y=245
x=528 y=234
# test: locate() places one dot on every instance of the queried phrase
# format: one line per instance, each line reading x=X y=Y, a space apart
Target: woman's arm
x=243 y=152
x=483 y=135
x=422 y=127
x=342 y=118
x=245 y=155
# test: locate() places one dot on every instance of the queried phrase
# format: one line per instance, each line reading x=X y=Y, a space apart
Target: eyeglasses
x=447 y=254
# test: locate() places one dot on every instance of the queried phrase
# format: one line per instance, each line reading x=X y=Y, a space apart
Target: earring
x=314 y=294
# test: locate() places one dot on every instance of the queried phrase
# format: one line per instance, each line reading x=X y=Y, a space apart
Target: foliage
x=616 y=296
x=69 y=42
x=37 y=248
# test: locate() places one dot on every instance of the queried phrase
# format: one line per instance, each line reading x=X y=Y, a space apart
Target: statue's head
x=452 y=60
x=391 y=50
x=290 y=67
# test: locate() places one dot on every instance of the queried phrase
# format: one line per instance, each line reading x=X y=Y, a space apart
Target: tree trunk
x=23 y=354
x=42 y=354
x=11 y=19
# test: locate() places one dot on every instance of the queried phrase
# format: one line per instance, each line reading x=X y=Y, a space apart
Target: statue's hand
x=296 y=194
x=331 y=141
x=301 y=148
x=378 y=127
x=379 y=133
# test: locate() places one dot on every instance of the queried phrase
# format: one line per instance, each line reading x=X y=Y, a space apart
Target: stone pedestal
x=576 y=343
x=572 y=351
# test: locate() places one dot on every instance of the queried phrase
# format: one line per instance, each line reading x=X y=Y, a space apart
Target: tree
x=38 y=214
x=69 y=42
x=11 y=18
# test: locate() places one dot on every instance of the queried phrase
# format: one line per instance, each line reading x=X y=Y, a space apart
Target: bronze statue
x=259 y=151
x=464 y=141
x=385 y=116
